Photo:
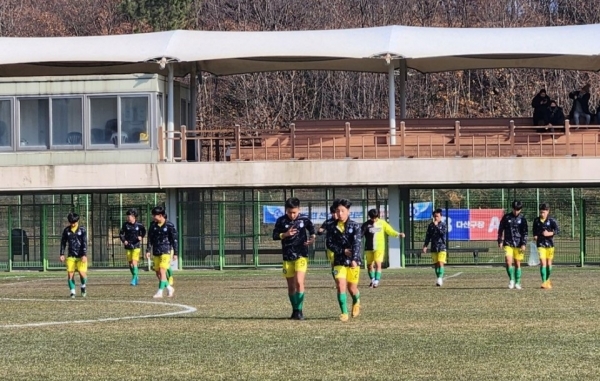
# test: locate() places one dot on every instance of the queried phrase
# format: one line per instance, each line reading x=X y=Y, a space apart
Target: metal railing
x=361 y=142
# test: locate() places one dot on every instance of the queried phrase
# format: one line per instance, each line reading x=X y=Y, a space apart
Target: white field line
x=184 y=310
x=452 y=276
x=29 y=281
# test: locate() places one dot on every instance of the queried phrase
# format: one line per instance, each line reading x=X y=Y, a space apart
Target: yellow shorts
x=351 y=275
x=546 y=252
x=439 y=257
x=290 y=268
x=75 y=264
x=514 y=252
x=374 y=256
x=330 y=256
x=133 y=255
x=162 y=261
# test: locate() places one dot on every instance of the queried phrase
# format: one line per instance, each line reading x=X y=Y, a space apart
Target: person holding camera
x=581 y=105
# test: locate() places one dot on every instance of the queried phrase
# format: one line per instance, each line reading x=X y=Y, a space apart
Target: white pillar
x=403 y=75
x=392 y=103
x=193 y=98
x=170 y=114
x=394 y=252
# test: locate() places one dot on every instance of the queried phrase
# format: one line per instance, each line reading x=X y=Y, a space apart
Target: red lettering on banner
x=483 y=224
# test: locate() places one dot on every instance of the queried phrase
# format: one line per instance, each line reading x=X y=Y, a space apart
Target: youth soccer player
x=132 y=233
x=544 y=230
x=323 y=229
x=291 y=229
x=75 y=237
x=512 y=236
x=436 y=234
x=162 y=238
x=346 y=243
x=374 y=232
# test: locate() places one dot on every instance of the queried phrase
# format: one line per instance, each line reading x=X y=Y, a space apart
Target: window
x=134 y=120
x=103 y=120
x=34 y=122
x=67 y=121
x=5 y=123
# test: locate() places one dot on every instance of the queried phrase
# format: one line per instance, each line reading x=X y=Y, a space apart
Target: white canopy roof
x=225 y=53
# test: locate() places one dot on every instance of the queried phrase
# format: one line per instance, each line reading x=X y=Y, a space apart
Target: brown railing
x=363 y=142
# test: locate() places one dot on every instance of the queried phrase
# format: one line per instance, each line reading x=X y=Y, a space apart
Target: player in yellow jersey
x=375 y=231
x=75 y=237
x=544 y=230
x=132 y=233
x=436 y=235
x=512 y=237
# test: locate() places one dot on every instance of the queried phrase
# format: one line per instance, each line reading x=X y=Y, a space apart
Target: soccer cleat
x=83 y=294
x=511 y=284
x=171 y=281
x=548 y=284
x=72 y=295
x=134 y=282
x=344 y=317
x=170 y=291
x=299 y=315
x=294 y=315
x=371 y=284
x=375 y=283
x=158 y=295
x=518 y=286
x=355 y=309
x=439 y=282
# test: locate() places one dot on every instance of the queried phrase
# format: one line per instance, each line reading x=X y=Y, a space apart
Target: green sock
x=299 y=300
x=162 y=284
x=377 y=275
x=548 y=271
x=511 y=272
x=437 y=271
x=356 y=298
x=343 y=304
x=543 y=273
x=518 y=275
x=292 y=300
x=441 y=272
x=134 y=271
x=371 y=274
x=71 y=283
x=131 y=268
x=169 y=273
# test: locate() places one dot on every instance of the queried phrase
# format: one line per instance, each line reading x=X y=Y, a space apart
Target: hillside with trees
x=272 y=100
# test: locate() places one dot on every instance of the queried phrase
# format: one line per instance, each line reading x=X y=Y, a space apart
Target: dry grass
x=473 y=328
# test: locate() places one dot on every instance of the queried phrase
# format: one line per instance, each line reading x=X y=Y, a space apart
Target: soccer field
x=473 y=328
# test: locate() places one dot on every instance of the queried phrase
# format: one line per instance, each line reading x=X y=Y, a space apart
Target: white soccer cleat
x=439 y=282
x=158 y=295
x=170 y=291
x=511 y=284
x=518 y=286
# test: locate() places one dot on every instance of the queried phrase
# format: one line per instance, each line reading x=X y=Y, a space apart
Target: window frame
x=65 y=146
x=11 y=128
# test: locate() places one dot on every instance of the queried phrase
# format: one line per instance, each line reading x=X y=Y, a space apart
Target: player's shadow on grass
x=282 y=287
x=266 y=318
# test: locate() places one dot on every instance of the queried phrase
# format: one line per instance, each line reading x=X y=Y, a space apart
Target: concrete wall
x=411 y=173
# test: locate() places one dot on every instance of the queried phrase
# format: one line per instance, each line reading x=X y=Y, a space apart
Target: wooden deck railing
x=347 y=142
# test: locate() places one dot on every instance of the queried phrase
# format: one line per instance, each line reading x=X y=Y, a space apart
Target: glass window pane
x=34 y=122
x=134 y=120
x=103 y=120
x=67 y=121
x=5 y=123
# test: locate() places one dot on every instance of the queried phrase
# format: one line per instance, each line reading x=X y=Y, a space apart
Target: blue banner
x=422 y=211
x=458 y=224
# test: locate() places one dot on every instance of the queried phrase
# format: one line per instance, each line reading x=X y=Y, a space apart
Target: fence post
x=457 y=136
x=255 y=231
x=180 y=235
x=402 y=229
x=347 y=133
x=183 y=143
x=403 y=137
x=511 y=136
x=161 y=144
x=10 y=248
x=568 y=137
x=582 y=229
x=238 y=143
x=44 y=237
x=221 y=235
x=293 y=139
